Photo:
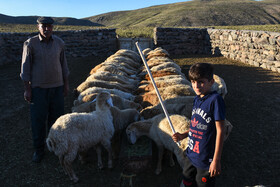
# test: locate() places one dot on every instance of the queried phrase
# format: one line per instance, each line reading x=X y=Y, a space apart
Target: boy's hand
x=178 y=137
x=215 y=168
x=175 y=137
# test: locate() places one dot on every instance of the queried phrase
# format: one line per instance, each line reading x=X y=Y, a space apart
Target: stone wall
x=258 y=48
x=101 y=42
x=180 y=41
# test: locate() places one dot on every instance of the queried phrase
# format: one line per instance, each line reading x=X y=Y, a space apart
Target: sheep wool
x=104 y=84
x=121 y=119
x=219 y=86
x=118 y=101
x=130 y=54
x=77 y=132
x=120 y=93
x=179 y=105
x=107 y=76
x=158 y=129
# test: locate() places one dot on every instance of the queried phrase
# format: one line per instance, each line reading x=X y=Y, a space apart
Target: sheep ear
x=110 y=102
x=132 y=137
x=93 y=101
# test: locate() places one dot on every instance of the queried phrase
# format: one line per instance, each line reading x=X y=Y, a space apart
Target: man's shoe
x=37 y=156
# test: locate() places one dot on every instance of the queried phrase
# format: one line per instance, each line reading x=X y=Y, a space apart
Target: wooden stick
x=155 y=86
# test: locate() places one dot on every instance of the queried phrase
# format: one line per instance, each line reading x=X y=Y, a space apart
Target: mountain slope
x=58 y=20
x=183 y=14
x=196 y=13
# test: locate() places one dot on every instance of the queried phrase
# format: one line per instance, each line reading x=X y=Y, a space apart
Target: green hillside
x=4 y=19
x=196 y=13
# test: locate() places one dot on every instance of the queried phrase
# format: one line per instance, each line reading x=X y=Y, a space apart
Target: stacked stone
x=257 y=48
x=180 y=41
x=82 y=43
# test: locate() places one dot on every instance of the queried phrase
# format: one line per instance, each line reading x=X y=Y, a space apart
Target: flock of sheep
x=118 y=95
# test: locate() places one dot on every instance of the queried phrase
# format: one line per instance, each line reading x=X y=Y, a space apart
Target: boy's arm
x=215 y=166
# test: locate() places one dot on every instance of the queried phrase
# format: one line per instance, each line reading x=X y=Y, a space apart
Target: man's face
x=45 y=30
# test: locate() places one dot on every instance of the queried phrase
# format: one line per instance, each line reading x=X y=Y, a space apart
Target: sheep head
x=103 y=101
x=137 y=129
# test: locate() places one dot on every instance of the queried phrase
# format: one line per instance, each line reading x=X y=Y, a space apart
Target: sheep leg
x=82 y=157
x=99 y=156
x=116 y=144
x=160 y=155
x=70 y=171
x=171 y=160
x=67 y=163
x=108 y=147
x=66 y=166
x=61 y=160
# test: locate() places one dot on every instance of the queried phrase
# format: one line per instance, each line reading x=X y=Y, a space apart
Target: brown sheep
x=149 y=87
x=150 y=98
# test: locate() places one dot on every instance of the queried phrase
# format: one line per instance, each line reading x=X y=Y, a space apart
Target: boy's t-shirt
x=202 y=134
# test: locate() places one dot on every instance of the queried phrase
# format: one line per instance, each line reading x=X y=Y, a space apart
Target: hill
x=58 y=20
x=196 y=13
x=184 y=14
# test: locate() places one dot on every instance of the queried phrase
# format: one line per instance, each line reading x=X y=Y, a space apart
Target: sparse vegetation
x=195 y=13
x=220 y=14
x=130 y=32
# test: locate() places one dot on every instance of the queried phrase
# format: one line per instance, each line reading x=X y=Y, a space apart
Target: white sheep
x=219 y=86
x=105 y=84
x=120 y=93
x=111 y=68
x=121 y=119
x=117 y=58
x=77 y=132
x=116 y=65
x=166 y=65
x=168 y=78
x=130 y=54
x=158 y=129
x=160 y=73
x=119 y=62
x=146 y=51
x=107 y=76
x=118 y=101
x=157 y=52
x=157 y=61
x=163 y=66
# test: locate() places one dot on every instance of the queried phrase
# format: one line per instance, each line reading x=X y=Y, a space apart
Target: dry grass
x=129 y=32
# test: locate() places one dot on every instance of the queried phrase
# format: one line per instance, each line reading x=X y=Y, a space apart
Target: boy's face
x=202 y=86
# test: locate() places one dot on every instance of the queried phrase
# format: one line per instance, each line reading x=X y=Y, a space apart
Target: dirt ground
x=251 y=155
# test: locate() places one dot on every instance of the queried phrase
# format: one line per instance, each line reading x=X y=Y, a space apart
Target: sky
x=73 y=8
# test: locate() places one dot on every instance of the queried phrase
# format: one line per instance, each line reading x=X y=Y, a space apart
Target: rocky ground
x=251 y=155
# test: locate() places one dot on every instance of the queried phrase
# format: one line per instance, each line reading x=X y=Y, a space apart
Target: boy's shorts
x=193 y=176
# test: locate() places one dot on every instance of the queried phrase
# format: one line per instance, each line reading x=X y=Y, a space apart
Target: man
x=44 y=71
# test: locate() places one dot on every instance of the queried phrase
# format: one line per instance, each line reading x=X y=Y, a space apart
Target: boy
x=206 y=130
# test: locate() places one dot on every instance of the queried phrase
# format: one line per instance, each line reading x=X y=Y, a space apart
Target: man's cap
x=45 y=20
